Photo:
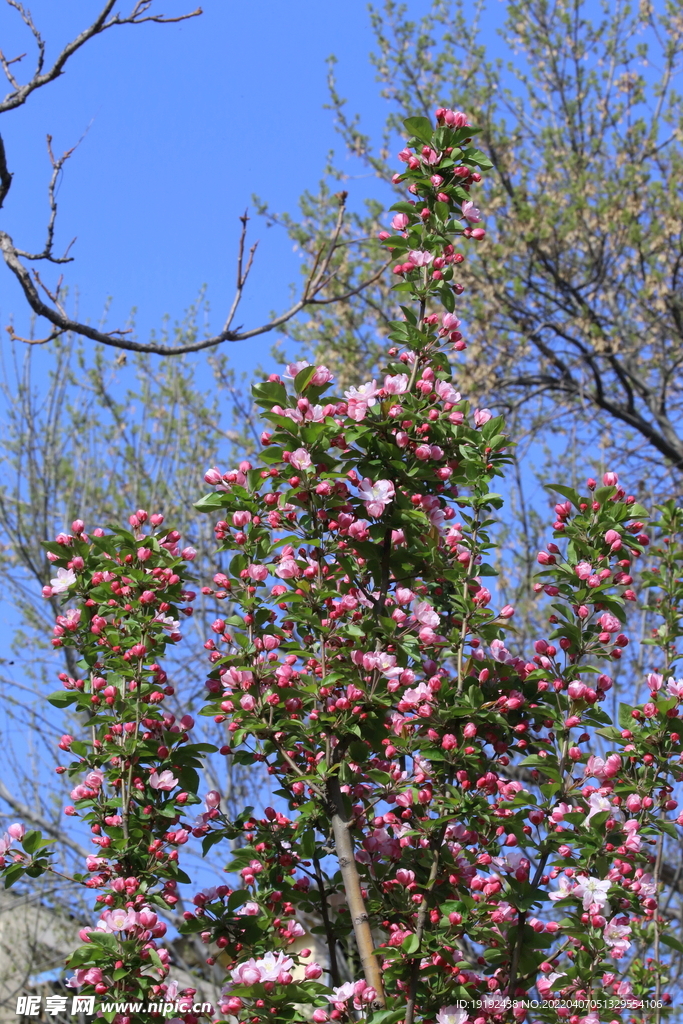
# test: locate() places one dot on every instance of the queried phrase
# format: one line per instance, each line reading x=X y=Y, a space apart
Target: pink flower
x=400 y=221
x=420 y=258
x=300 y=459
x=64 y=579
x=482 y=416
x=455 y=119
x=602 y=769
x=451 y=1015
x=596 y=804
x=257 y=572
x=616 y=937
x=163 y=780
x=396 y=385
x=610 y=623
x=360 y=399
x=507 y=612
x=17 y=831
x=674 y=688
x=321 y=376
x=240 y=519
x=446 y=392
x=287 y=566
x=583 y=570
x=376 y=496
x=425 y=614
x=470 y=212
x=610 y=479
x=359 y=529
x=450 y=322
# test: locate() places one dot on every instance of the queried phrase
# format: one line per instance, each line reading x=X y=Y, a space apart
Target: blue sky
x=185 y=123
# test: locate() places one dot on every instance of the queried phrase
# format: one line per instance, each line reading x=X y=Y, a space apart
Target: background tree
x=582 y=322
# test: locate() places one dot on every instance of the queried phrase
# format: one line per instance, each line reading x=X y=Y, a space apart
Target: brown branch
x=33 y=341
x=102 y=22
x=317 y=280
x=343 y=841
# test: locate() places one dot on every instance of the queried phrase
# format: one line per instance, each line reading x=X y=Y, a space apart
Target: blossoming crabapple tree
x=466 y=829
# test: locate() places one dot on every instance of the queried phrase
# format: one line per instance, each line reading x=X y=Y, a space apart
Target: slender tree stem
x=354 y=897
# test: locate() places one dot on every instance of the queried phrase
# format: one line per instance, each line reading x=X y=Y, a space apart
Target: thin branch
x=318 y=279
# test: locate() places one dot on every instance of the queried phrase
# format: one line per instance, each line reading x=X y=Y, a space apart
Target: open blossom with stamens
x=566 y=888
x=451 y=1015
x=300 y=459
x=64 y=579
x=616 y=937
x=592 y=890
x=376 y=495
x=360 y=399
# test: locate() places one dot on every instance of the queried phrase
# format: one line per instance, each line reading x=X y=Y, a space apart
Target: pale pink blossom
x=287 y=566
x=420 y=258
x=592 y=890
x=446 y=392
x=597 y=803
x=566 y=888
x=360 y=399
x=257 y=572
x=396 y=385
x=470 y=212
x=163 y=780
x=616 y=937
x=482 y=416
x=376 y=496
x=425 y=614
x=451 y=1015
x=321 y=376
x=294 y=368
x=300 y=459
x=64 y=579
x=674 y=688
x=583 y=570
x=400 y=221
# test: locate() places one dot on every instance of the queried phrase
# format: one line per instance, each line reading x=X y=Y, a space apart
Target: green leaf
x=625 y=719
x=13 y=872
x=210 y=840
x=31 y=841
x=210 y=502
x=420 y=127
x=303 y=378
x=410 y=945
x=669 y=940
x=479 y=158
x=62 y=698
x=566 y=492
